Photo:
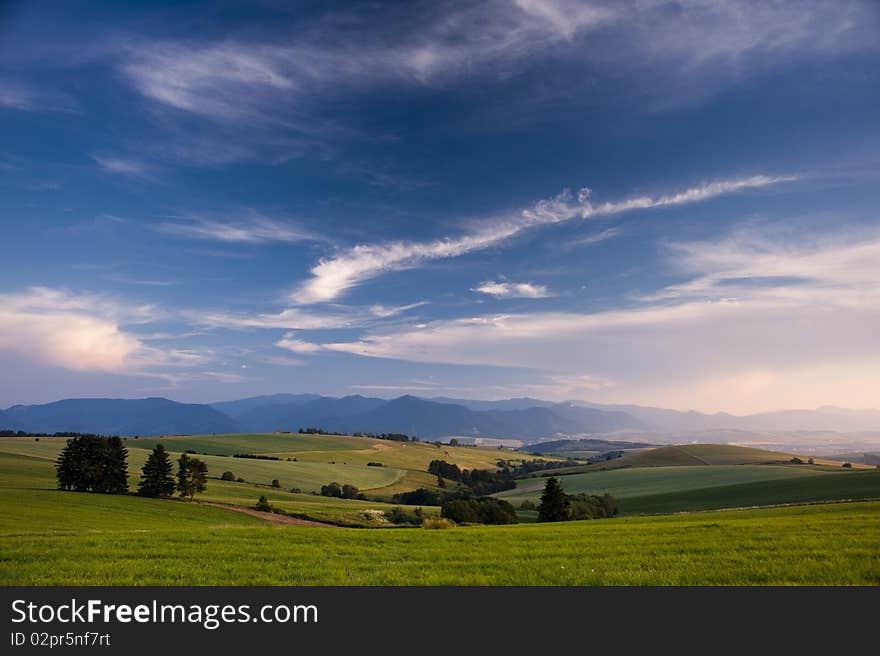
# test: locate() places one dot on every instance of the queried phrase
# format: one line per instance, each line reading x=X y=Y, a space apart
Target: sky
x=670 y=203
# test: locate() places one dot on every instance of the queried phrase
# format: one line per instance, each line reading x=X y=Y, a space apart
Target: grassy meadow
x=50 y=537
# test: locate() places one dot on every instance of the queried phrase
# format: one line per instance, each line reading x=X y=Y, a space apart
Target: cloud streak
x=761 y=324
x=255 y=230
x=512 y=290
x=333 y=276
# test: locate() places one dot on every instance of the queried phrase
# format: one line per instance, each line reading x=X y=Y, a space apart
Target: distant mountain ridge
x=151 y=416
x=525 y=418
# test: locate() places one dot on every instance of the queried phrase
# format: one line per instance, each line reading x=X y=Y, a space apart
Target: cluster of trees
x=157 y=480
x=255 y=456
x=89 y=463
x=527 y=467
x=480 y=481
x=557 y=506
x=479 y=511
x=344 y=491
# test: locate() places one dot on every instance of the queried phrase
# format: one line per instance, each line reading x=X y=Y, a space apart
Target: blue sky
x=666 y=203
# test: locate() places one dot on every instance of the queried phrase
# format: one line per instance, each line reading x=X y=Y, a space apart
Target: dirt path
x=270 y=517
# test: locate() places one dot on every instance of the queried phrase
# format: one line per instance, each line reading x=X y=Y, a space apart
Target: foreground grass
x=823 y=544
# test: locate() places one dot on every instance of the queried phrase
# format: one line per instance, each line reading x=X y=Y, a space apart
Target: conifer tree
x=555 y=505
x=156 y=478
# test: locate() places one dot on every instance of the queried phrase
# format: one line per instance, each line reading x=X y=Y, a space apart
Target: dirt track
x=270 y=517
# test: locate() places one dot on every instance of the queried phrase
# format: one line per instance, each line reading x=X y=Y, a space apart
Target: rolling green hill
x=694 y=455
x=623 y=483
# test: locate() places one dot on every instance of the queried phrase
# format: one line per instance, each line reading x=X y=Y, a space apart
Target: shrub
x=349 y=492
x=375 y=464
x=331 y=490
x=263 y=504
x=275 y=483
x=479 y=511
x=847 y=465
x=437 y=523
x=296 y=490
x=240 y=480
x=227 y=476
x=398 y=515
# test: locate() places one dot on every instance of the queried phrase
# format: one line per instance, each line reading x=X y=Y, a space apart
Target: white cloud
x=512 y=290
x=291 y=343
x=385 y=311
x=761 y=324
x=333 y=276
x=29 y=98
x=243 y=79
x=80 y=332
x=288 y=319
x=256 y=229
x=125 y=166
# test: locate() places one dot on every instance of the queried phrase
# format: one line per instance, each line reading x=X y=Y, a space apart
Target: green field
x=829 y=487
x=825 y=544
x=50 y=537
x=623 y=483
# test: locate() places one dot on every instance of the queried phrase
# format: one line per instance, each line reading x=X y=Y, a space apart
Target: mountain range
x=527 y=419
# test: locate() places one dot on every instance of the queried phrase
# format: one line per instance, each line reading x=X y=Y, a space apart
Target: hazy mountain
x=522 y=418
x=824 y=418
x=153 y=416
x=241 y=406
x=521 y=403
x=322 y=411
x=430 y=419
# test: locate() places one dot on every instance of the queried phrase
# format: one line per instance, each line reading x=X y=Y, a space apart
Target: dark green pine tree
x=555 y=505
x=156 y=479
x=65 y=466
x=114 y=469
x=183 y=475
x=198 y=476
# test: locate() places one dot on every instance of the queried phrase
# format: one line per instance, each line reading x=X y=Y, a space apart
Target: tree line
x=89 y=463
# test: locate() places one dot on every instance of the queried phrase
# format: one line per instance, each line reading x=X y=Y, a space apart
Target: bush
x=398 y=515
x=331 y=490
x=479 y=511
x=349 y=492
x=263 y=504
x=240 y=480
x=847 y=465
x=227 y=476
x=420 y=497
x=275 y=483
x=375 y=464
x=296 y=490
x=590 y=506
x=437 y=523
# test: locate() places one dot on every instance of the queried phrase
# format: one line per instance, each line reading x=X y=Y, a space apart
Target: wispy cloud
x=512 y=290
x=124 y=166
x=386 y=311
x=760 y=323
x=31 y=98
x=291 y=343
x=334 y=276
x=256 y=229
